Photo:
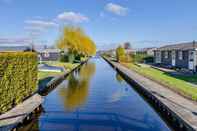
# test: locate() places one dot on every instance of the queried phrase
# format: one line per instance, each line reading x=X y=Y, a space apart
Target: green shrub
x=149 y=59
x=64 y=58
x=141 y=58
x=18 y=78
x=78 y=58
x=71 y=57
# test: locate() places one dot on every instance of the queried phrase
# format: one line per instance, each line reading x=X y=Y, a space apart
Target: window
x=166 y=54
x=173 y=55
x=191 y=56
x=46 y=54
x=158 y=54
x=180 y=55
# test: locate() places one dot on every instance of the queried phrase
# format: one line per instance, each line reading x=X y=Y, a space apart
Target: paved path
x=13 y=117
x=164 y=69
x=184 y=108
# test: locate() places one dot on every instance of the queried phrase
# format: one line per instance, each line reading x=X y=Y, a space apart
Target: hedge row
x=18 y=78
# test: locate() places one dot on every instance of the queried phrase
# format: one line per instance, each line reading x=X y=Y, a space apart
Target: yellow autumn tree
x=76 y=41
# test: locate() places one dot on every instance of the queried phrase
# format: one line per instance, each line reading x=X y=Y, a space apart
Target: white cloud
x=34 y=28
x=14 y=40
x=116 y=9
x=72 y=17
x=41 y=23
x=35 y=34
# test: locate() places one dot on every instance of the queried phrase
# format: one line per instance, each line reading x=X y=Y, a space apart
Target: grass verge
x=179 y=85
x=43 y=74
x=67 y=66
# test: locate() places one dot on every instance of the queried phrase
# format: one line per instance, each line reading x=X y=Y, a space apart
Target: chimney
x=194 y=42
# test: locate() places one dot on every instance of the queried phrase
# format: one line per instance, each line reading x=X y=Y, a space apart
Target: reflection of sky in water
x=119 y=94
x=97 y=99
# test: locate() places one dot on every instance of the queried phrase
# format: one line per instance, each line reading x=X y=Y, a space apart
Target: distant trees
x=120 y=54
x=127 y=45
x=76 y=42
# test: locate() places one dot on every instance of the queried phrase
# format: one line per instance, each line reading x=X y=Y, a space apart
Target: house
x=183 y=55
x=49 y=54
x=111 y=52
x=128 y=48
x=148 y=51
x=130 y=51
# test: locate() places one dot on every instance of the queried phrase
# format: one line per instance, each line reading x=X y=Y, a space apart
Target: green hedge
x=141 y=58
x=18 y=78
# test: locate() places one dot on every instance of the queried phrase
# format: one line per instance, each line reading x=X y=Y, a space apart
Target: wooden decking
x=15 y=116
x=185 y=110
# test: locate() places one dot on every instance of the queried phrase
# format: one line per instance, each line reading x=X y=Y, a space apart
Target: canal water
x=96 y=98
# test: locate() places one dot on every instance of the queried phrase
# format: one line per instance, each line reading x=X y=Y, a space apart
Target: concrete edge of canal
x=23 y=112
x=176 y=113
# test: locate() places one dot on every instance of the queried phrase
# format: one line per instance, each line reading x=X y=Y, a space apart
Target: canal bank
x=95 y=98
x=50 y=85
x=179 y=111
x=25 y=111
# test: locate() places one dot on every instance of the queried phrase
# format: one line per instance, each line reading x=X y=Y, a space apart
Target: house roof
x=146 y=49
x=51 y=50
x=130 y=50
x=180 y=46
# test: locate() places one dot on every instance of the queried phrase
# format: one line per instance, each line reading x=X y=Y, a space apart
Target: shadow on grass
x=187 y=78
x=184 y=76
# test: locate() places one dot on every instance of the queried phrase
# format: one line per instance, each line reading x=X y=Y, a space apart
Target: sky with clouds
x=142 y=22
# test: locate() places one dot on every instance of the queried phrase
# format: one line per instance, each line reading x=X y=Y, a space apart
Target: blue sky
x=142 y=22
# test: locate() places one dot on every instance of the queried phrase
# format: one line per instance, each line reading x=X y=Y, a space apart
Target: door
x=173 y=58
x=158 y=57
x=191 y=60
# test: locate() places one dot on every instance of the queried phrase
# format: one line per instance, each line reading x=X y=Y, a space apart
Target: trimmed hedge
x=18 y=78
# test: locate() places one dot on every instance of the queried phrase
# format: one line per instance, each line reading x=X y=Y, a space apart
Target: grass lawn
x=178 y=84
x=43 y=74
x=67 y=66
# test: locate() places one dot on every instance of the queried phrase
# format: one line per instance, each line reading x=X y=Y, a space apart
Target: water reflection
x=119 y=78
x=106 y=105
x=75 y=91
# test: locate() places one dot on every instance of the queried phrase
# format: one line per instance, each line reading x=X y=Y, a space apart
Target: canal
x=96 y=98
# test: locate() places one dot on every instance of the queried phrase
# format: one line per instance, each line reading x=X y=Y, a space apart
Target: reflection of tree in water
x=87 y=71
x=74 y=94
x=119 y=78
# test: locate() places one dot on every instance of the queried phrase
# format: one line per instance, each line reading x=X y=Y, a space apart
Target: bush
x=78 y=57
x=64 y=58
x=18 y=78
x=70 y=57
x=149 y=59
x=143 y=58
